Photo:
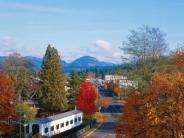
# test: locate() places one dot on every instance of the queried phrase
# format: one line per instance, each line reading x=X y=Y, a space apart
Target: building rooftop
x=56 y=117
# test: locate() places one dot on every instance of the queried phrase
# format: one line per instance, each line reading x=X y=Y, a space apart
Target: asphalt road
x=107 y=130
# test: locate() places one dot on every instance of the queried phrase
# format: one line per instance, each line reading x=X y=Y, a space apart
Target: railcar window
x=57 y=126
x=62 y=124
x=46 y=130
x=79 y=118
x=75 y=120
x=52 y=128
x=67 y=123
x=71 y=121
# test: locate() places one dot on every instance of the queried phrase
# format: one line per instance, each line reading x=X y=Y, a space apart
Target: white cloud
x=105 y=51
x=105 y=45
x=7 y=45
x=116 y=55
x=101 y=49
x=6 y=41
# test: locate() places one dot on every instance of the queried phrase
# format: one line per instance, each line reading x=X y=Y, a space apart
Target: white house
x=128 y=83
x=56 y=124
x=114 y=78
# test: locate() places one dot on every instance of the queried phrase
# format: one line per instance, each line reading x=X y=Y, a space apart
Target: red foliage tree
x=7 y=102
x=86 y=101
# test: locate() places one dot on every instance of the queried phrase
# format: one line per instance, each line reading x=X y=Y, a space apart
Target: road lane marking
x=87 y=135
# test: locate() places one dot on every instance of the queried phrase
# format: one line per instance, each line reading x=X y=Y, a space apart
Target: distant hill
x=37 y=62
x=82 y=63
x=86 y=62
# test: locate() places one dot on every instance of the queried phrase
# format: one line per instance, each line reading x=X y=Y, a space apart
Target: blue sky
x=84 y=27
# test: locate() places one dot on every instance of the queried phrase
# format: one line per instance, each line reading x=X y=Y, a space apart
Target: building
x=114 y=78
x=128 y=83
x=56 y=124
x=90 y=76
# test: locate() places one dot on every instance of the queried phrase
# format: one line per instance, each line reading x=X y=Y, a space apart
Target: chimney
x=75 y=108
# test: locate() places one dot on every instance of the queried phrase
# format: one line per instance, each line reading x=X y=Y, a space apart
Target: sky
x=84 y=27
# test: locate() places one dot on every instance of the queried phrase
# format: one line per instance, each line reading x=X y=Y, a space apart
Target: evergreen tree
x=75 y=82
x=53 y=95
x=22 y=83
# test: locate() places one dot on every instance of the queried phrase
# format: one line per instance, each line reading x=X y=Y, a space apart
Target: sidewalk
x=89 y=132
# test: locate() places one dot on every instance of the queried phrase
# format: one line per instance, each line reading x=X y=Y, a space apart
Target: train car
x=56 y=124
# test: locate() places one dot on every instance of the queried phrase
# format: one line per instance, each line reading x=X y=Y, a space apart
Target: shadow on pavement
x=108 y=127
x=112 y=109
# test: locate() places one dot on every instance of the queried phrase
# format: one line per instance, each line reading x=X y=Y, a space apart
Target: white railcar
x=56 y=124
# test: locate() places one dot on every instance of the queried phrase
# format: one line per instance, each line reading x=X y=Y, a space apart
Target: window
x=79 y=118
x=57 y=126
x=71 y=121
x=75 y=120
x=52 y=128
x=67 y=123
x=62 y=124
x=46 y=130
x=27 y=129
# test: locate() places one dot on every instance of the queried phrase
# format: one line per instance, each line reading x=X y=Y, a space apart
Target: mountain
x=37 y=62
x=2 y=60
x=82 y=63
x=86 y=62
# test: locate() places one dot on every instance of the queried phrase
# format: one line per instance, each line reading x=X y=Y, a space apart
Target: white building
x=114 y=78
x=128 y=83
x=56 y=124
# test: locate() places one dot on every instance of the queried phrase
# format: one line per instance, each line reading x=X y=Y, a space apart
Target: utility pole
x=20 y=134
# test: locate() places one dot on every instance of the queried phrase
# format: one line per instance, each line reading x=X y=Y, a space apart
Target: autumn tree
x=109 y=85
x=160 y=112
x=105 y=101
x=117 y=90
x=26 y=112
x=7 y=102
x=101 y=118
x=178 y=58
x=131 y=122
x=13 y=64
x=87 y=98
x=52 y=95
x=19 y=71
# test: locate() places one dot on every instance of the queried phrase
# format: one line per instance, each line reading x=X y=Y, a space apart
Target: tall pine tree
x=53 y=95
x=75 y=81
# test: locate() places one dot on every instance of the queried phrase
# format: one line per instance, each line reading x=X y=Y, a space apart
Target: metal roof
x=55 y=117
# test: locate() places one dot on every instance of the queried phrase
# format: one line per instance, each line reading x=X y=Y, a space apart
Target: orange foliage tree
x=117 y=90
x=7 y=103
x=105 y=101
x=159 y=114
x=109 y=85
x=101 y=118
x=178 y=58
x=131 y=123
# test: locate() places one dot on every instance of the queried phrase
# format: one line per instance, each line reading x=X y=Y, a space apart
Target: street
x=107 y=130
